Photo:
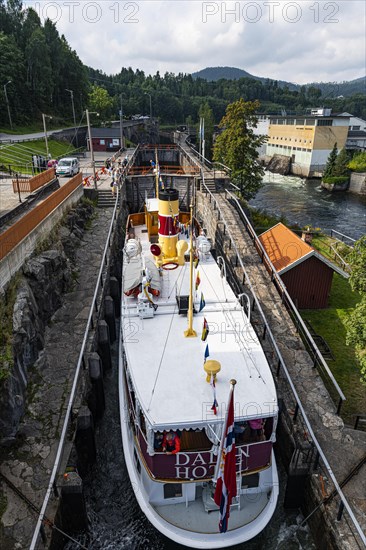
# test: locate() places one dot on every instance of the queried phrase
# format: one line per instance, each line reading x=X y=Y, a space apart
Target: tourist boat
x=184 y=336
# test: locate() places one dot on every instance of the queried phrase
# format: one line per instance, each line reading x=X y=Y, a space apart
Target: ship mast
x=190 y=331
x=156 y=173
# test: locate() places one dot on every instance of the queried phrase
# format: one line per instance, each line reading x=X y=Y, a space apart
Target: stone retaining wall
x=358 y=183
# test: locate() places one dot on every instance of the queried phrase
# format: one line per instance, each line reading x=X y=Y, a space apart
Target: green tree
x=11 y=68
x=329 y=167
x=100 y=101
x=356 y=322
x=237 y=146
x=340 y=167
x=39 y=72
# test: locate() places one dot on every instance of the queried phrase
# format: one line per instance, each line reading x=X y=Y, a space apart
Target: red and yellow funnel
x=172 y=250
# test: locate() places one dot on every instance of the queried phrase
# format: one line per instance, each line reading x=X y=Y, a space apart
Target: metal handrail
x=74 y=386
x=296 y=396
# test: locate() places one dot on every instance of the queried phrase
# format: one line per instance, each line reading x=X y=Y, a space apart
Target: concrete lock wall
x=15 y=259
x=358 y=183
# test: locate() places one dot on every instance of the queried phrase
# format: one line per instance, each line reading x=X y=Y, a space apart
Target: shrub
x=358 y=163
x=337 y=180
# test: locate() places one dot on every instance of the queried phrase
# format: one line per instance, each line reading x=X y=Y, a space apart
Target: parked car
x=68 y=166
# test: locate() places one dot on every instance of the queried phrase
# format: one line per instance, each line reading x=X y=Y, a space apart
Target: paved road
x=25 y=137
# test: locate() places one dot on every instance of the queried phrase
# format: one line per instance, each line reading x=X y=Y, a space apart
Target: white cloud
x=299 y=41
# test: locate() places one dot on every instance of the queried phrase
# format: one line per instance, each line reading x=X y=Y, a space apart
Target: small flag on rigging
x=202 y=302
x=205 y=330
x=198 y=280
x=207 y=352
x=215 y=403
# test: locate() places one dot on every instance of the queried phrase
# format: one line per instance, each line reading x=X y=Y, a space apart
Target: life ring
x=173 y=265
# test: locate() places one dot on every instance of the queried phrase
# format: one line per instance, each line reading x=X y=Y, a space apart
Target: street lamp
x=45 y=132
x=91 y=145
x=146 y=93
x=7 y=103
x=71 y=92
x=121 y=124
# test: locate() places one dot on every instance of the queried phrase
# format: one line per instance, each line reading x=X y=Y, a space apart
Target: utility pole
x=7 y=103
x=146 y=93
x=121 y=124
x=45 y=132
x=91 y=148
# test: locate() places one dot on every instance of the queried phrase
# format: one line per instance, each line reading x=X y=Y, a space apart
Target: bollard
x=104 y=345
x=72 y=506
x=84 y=440
x=109 y=317
x=96 y=401
x=115 y=291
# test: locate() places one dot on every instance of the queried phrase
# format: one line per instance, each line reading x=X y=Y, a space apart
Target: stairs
x=106 y=199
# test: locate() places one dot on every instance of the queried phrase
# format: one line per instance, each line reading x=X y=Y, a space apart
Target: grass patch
x=324 y=244
x=329 y=323
x=262 y=221
x=19 y=155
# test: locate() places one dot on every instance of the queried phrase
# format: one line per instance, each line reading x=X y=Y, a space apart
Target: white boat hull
x=200 y=527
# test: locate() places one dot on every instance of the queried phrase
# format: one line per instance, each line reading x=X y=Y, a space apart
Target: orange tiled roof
x=283 y=246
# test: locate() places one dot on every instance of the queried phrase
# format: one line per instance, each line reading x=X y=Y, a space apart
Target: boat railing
x=64 y=442
x=299 y=411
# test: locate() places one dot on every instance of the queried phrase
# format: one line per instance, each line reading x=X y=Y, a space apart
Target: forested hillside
x=39 y=70
x=40 y=65
x=328 y=89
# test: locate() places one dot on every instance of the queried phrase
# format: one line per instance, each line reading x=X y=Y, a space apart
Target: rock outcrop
x=280 y=164
x=44 y=280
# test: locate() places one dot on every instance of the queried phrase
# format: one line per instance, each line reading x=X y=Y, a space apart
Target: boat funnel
x=168 y=224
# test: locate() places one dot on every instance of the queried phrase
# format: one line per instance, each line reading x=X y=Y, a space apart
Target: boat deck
x=167 y=368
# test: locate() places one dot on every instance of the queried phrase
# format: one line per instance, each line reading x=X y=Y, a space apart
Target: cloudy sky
x=295 y=41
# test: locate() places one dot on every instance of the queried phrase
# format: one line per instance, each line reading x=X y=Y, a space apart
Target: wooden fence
x=20 y=229
x=28 y=185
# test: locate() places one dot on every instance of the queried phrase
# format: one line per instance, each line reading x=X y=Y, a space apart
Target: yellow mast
x=190 y=331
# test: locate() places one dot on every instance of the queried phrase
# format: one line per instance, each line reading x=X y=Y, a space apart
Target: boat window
x=250 y=481
x=173 y=490
x=194 y=440
x=142 y=423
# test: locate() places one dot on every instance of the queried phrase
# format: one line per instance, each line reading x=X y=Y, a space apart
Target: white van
x=68 y=166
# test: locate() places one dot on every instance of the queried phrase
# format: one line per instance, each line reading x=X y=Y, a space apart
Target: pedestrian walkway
x=336 y=440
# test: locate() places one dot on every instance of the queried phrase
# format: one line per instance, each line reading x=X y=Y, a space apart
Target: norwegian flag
x=215 y=403
x=226 y=477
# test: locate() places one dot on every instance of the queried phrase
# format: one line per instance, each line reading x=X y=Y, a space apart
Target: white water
x=304 y=202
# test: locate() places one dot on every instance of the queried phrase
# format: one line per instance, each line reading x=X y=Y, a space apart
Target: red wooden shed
x=305 y=272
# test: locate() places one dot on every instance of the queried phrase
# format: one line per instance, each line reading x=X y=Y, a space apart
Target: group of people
x=167 y=442
x=116 y=170
x=256 y=428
